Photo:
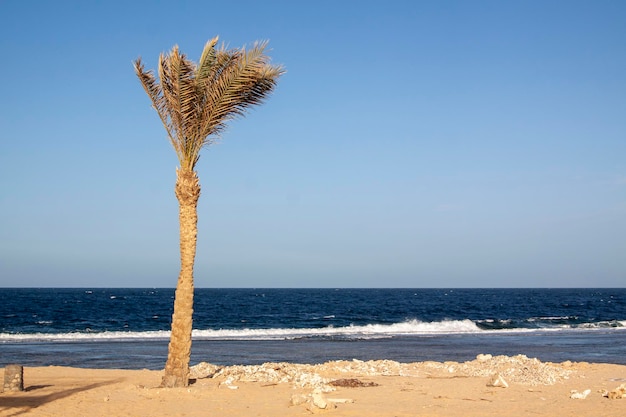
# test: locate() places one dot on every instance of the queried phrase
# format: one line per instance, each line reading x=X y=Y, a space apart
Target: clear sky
x=410 y=144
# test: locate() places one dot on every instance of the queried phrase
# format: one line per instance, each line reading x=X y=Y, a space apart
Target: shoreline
x=485 y=386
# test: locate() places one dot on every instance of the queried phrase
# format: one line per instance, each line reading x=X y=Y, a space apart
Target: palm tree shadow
x=36 y=387
x=24 y=404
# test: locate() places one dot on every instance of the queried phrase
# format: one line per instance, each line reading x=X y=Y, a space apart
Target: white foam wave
x=370 y=331
x=77 y=337
x=412 y=327
x=603 y=324
x=551 y=318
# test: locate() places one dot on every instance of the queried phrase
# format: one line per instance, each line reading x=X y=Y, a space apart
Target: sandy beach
x=486 y=386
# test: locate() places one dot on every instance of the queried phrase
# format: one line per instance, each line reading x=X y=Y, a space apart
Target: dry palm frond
x=194 y=102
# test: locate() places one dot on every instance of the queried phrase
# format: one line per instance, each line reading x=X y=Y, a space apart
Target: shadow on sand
x=15 y=404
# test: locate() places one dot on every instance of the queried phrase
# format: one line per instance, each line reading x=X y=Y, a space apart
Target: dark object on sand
x=352 y=383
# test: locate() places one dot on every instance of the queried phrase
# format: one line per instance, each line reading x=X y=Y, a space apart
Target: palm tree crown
x=194 y=102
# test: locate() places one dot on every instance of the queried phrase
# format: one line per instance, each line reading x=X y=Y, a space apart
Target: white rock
x=497 y=381
x=617 y=393
x=203 y=370
x=340 y=400
x=319 y=400
x=482 y=357
x=579 y=395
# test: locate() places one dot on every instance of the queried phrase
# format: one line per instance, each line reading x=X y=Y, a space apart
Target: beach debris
x=203 y=370
x=228 y=383
x=575 y=395
x=14 y=378
x=616 y=394
x=319 y=400
x=516 y=369
x=351 y=383
x=299 y=375
x=340 y=400
x=497 y=381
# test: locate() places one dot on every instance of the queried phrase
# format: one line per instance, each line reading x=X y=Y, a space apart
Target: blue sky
x=409 y=144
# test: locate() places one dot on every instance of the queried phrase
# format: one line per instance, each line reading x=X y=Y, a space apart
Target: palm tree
x=194 y=102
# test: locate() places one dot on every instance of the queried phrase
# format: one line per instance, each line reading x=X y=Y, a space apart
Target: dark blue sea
x=129 y=328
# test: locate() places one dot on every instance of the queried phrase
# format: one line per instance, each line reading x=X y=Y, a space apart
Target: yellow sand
x=421 y=389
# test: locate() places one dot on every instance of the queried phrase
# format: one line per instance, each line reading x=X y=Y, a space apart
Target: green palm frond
x=194 y=102
x=207 y=60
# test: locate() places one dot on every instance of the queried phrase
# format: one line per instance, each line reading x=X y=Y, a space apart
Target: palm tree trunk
x=179 y=351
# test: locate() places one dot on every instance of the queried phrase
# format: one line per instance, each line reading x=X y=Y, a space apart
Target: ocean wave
x=601 y=324
x=552 y=318
x=369 y=331
x=411 y=327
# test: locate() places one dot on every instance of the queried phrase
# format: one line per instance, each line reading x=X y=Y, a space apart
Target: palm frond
x=207 y=60
x=154 y=91
x=194 y=102
x=244 y=80
x=168 y=74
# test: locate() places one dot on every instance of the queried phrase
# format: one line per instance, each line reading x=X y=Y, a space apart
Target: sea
x=128 y=328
